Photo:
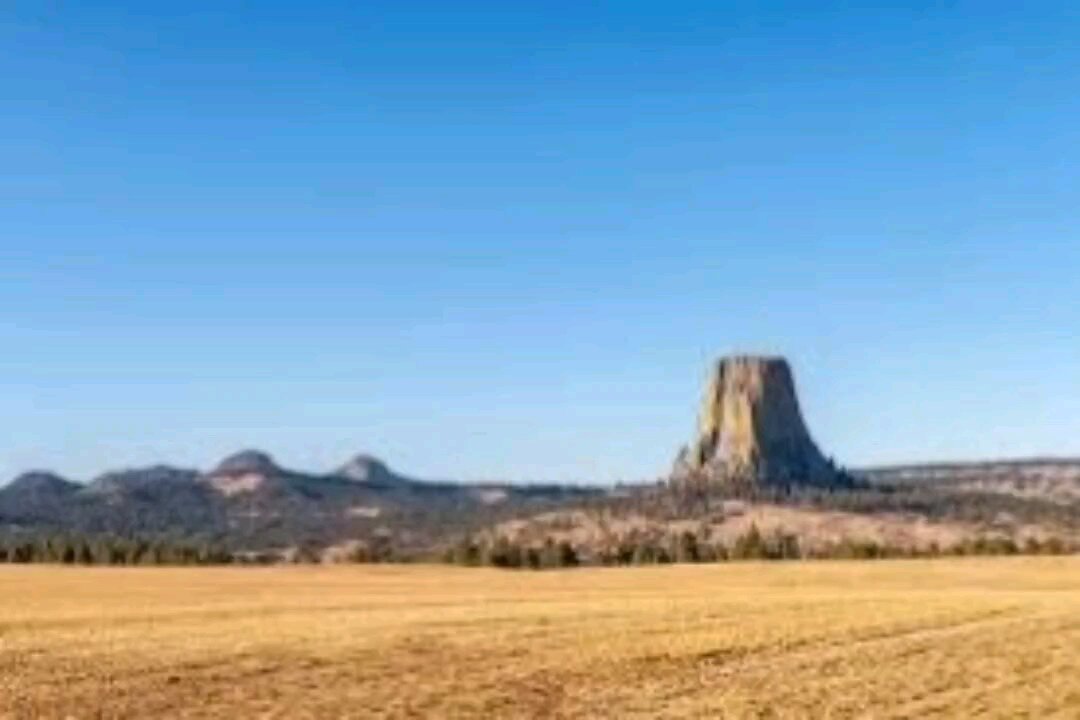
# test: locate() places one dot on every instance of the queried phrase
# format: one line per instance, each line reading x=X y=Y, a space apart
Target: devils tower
x=751 y=432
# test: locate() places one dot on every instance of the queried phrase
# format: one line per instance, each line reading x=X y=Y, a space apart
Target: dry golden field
x=919 y=639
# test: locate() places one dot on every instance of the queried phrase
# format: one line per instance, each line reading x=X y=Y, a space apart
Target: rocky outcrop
x=751 y=432
x=247 y=462
x=369 y=469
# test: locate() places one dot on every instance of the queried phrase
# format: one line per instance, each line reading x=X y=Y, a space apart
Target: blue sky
x=503 y=240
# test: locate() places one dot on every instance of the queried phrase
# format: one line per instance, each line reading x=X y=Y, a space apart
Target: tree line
x=688 y=547
x=504 y=552
x=109 y=550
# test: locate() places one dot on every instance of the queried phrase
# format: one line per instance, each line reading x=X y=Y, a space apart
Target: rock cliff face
x=751 y=432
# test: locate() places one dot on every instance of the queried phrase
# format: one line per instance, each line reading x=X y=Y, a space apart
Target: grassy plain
x=922 y=639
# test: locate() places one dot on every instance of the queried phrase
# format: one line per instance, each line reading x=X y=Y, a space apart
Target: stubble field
x=923 y=639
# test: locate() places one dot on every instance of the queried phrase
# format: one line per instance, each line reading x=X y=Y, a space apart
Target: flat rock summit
x=751 y=432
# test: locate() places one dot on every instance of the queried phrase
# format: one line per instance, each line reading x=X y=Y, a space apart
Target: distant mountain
x=250 y=503
x=34 y=497
x=949 y=471
x=43 y=486
x=1049 y=479
x=368 y=469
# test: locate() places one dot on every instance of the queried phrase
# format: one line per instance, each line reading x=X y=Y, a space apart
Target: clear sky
x=503 y=240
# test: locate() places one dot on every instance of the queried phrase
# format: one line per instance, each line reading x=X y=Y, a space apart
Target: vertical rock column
x=751 y=431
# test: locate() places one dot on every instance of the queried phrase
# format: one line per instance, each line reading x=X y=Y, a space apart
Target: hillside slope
x=249 y=503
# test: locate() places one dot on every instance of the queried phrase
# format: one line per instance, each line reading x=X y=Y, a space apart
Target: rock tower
x=751 y=432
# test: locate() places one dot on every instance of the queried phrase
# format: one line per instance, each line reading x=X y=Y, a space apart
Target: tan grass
x=946 y=638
